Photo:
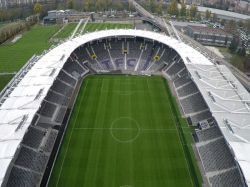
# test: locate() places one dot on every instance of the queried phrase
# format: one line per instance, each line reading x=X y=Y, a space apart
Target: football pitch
x=123 y=133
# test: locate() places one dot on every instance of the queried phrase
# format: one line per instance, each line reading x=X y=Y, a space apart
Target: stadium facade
x=34 y=108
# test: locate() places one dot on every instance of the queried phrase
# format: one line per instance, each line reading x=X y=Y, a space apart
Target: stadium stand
x=23 y=177
x=48 y=143
x=56 y=98
x=126 y=54
x=216 y=155
x=187 y=89
x=60 y=114
x=34 y=137
x=64 y=77
x=228 y=178
x=30 y=159
x=208 y=134
x=62 y=88
x=47 y=109
x=192 y=104
x=204 y=115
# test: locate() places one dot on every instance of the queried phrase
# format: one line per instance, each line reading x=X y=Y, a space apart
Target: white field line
x=71 y=136
x=60 y=30
x=7 y=73
x=83 y=27
x=125 y=129
x=76 y=29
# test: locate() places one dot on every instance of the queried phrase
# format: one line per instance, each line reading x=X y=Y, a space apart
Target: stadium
x=125 y=108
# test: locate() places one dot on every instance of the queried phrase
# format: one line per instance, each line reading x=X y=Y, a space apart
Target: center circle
x=125 y=130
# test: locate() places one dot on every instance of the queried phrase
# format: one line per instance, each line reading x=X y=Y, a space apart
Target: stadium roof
x=231 y=105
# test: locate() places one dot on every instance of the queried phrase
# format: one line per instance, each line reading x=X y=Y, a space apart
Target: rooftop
x=208 y=30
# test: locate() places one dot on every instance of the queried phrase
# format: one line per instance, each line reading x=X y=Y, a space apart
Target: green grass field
x=14 y=56
x=90 y=27
x=4 y=79
x=35 y=41
x=125 y=132
x=67 y=31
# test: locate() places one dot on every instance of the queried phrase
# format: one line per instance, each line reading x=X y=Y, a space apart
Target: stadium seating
x=74 y=68
x=193 y=104
x=208 y=134
x=216 y=155
x=50 y=140
x=47 y=109
x=188 y=89
x=34 y=137
x=54 y=97
x=66 y=78
x=62 y=88
x=118 y=54
x=180 y=81
x=177 y=66
x=31 y=159
x=228 y=178
x=60 y=114
x=200 y=117
x=22 y=177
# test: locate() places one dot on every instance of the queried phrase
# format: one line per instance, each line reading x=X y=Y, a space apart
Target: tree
x=88 y=5
x=231 y=27
x=240 y=23
x=208 y=14
x=214 y=17
x=198 y=16
x=242 y=51
x=38 y=8
x=100 y=5
x=247 y=25
x=70 y=4
x=183 y=11
x=223 y=22
x=173 y=8
x=247 y=62
x=234 y=45
x=152 y=5
x=159 y=7
x=193 y=11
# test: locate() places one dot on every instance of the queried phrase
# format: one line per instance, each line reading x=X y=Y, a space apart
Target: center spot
x=125 y=130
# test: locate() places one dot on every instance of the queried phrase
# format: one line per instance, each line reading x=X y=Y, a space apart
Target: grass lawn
x=4 y=79
x=238 y=61
x=235 y=59
x=90 y=27
x=67 y=31
x=14 y=56
x=125 y=131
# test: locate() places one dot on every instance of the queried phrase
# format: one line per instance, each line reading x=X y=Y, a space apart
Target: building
x=223 y=14
x=210 y=36
x=62 y=16
x=15 y=3
x=28 y=117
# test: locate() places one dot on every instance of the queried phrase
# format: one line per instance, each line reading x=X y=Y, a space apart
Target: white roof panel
x=230 y=106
